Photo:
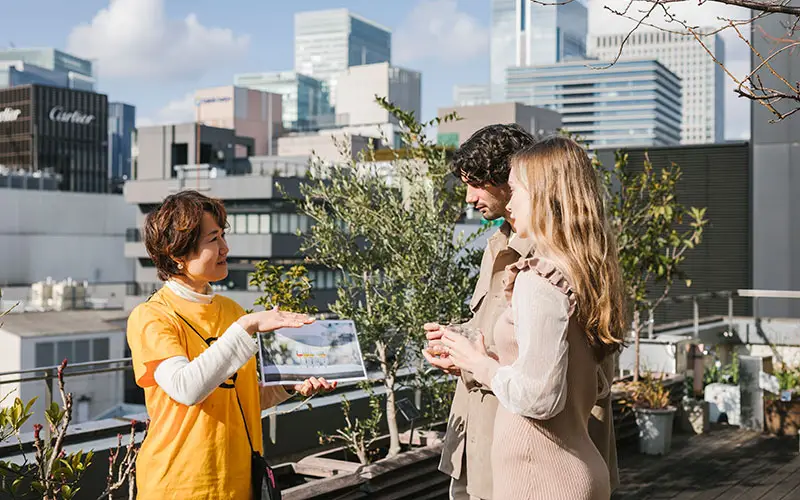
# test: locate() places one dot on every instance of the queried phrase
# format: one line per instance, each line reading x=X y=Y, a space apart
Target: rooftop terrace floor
x=727 y=463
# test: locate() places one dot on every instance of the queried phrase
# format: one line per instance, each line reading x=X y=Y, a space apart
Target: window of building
x=264 y=223
x=252 y=223
x=75 y=351
x=82 y=352
x=101 y=349
x=44 y=354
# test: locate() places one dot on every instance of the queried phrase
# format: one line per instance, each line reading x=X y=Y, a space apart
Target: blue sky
x=155 y=53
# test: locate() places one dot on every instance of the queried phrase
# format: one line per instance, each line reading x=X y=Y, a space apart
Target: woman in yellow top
x=193 y=353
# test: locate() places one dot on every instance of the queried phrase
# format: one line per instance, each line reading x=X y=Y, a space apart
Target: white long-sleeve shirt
x=191 y=382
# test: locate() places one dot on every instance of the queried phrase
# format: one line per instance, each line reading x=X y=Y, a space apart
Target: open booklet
x=327 y=349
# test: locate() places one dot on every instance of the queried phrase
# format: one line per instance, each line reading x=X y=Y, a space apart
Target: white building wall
x=359 y=85
x=60 y=235
x=10 y=359
x=105 y=389
x=323 y=145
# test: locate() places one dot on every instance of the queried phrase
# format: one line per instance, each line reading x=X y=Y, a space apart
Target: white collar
x=187 y=293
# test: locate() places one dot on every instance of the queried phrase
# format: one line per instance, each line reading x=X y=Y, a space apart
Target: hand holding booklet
x=328 y=349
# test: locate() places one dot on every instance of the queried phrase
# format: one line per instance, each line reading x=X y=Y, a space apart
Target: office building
x=524 y=33
x=701 y=77
x=471 y=95
x=45 y=66
x=121 y=130
x=776 y=162
x=628 y=104
x=538 y=121
x=359 y=86
x=56 y=130
x=249 y=113
x=160 y=149
x=304 y=99
x=327 y=42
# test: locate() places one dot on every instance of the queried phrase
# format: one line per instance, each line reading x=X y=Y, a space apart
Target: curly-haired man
x=483 y=164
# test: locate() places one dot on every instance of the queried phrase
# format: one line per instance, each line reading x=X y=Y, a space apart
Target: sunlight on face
x=519 y=207
x=490 y=201
x=208 y=263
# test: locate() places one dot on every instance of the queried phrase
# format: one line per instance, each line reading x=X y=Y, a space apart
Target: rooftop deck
x=727 y=463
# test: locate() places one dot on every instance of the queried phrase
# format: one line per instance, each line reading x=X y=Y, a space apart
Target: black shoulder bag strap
x=262 y=476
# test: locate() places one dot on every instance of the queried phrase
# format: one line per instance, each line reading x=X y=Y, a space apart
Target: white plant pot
x=655 y=430
x=724 y=398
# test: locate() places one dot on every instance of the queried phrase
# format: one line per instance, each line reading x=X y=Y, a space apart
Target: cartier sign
x=9 y=115
x=59 y=114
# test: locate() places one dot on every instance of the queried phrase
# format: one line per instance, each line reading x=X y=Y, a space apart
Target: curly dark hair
x=484 y=159
x=173 y=229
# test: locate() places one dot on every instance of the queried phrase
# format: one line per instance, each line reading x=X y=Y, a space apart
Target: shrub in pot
x=721 y=390
x=694 y=414
x=654 y=414
x=782 y=411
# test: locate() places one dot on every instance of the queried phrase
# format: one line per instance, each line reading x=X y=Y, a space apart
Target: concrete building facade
x=250 y=113
x=538 y=121
x=159 y=149
x=63 y=235
x=324 y=145
x=356 y=103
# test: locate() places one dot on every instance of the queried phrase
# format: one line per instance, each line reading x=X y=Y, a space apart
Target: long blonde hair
x=569 y=226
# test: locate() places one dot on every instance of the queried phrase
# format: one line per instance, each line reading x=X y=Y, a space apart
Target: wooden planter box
x=782 y=418
x=410 y=475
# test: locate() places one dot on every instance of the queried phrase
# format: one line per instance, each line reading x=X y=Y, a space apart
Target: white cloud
x=708 y=14
x=180 y=110
x=436 y=29
x=135 y=39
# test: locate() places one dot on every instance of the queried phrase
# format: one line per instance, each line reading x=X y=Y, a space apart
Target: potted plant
x=694 y=411
x=721 y=390
x=782 y=411
x=654 y=414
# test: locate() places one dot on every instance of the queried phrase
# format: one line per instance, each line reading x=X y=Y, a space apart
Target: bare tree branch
x=750 y=86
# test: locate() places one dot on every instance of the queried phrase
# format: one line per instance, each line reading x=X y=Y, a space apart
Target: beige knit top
x=547 y=383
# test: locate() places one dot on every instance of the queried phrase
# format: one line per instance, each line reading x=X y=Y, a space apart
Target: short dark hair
x=172 y=230
x=484 y=159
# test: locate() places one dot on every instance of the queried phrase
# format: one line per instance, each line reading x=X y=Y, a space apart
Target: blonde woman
x=566 y=315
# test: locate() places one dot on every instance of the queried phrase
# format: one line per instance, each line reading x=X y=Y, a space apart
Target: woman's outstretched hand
x=274 y=319
x=314 y=385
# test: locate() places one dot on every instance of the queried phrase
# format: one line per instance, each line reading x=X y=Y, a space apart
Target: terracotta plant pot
x=782 y=417
x=655 y=430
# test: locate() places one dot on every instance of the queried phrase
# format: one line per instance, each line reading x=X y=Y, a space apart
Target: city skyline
x=155 y=54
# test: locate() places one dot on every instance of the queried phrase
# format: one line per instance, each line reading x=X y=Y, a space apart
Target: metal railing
x=729 y=295
x=49 y=374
